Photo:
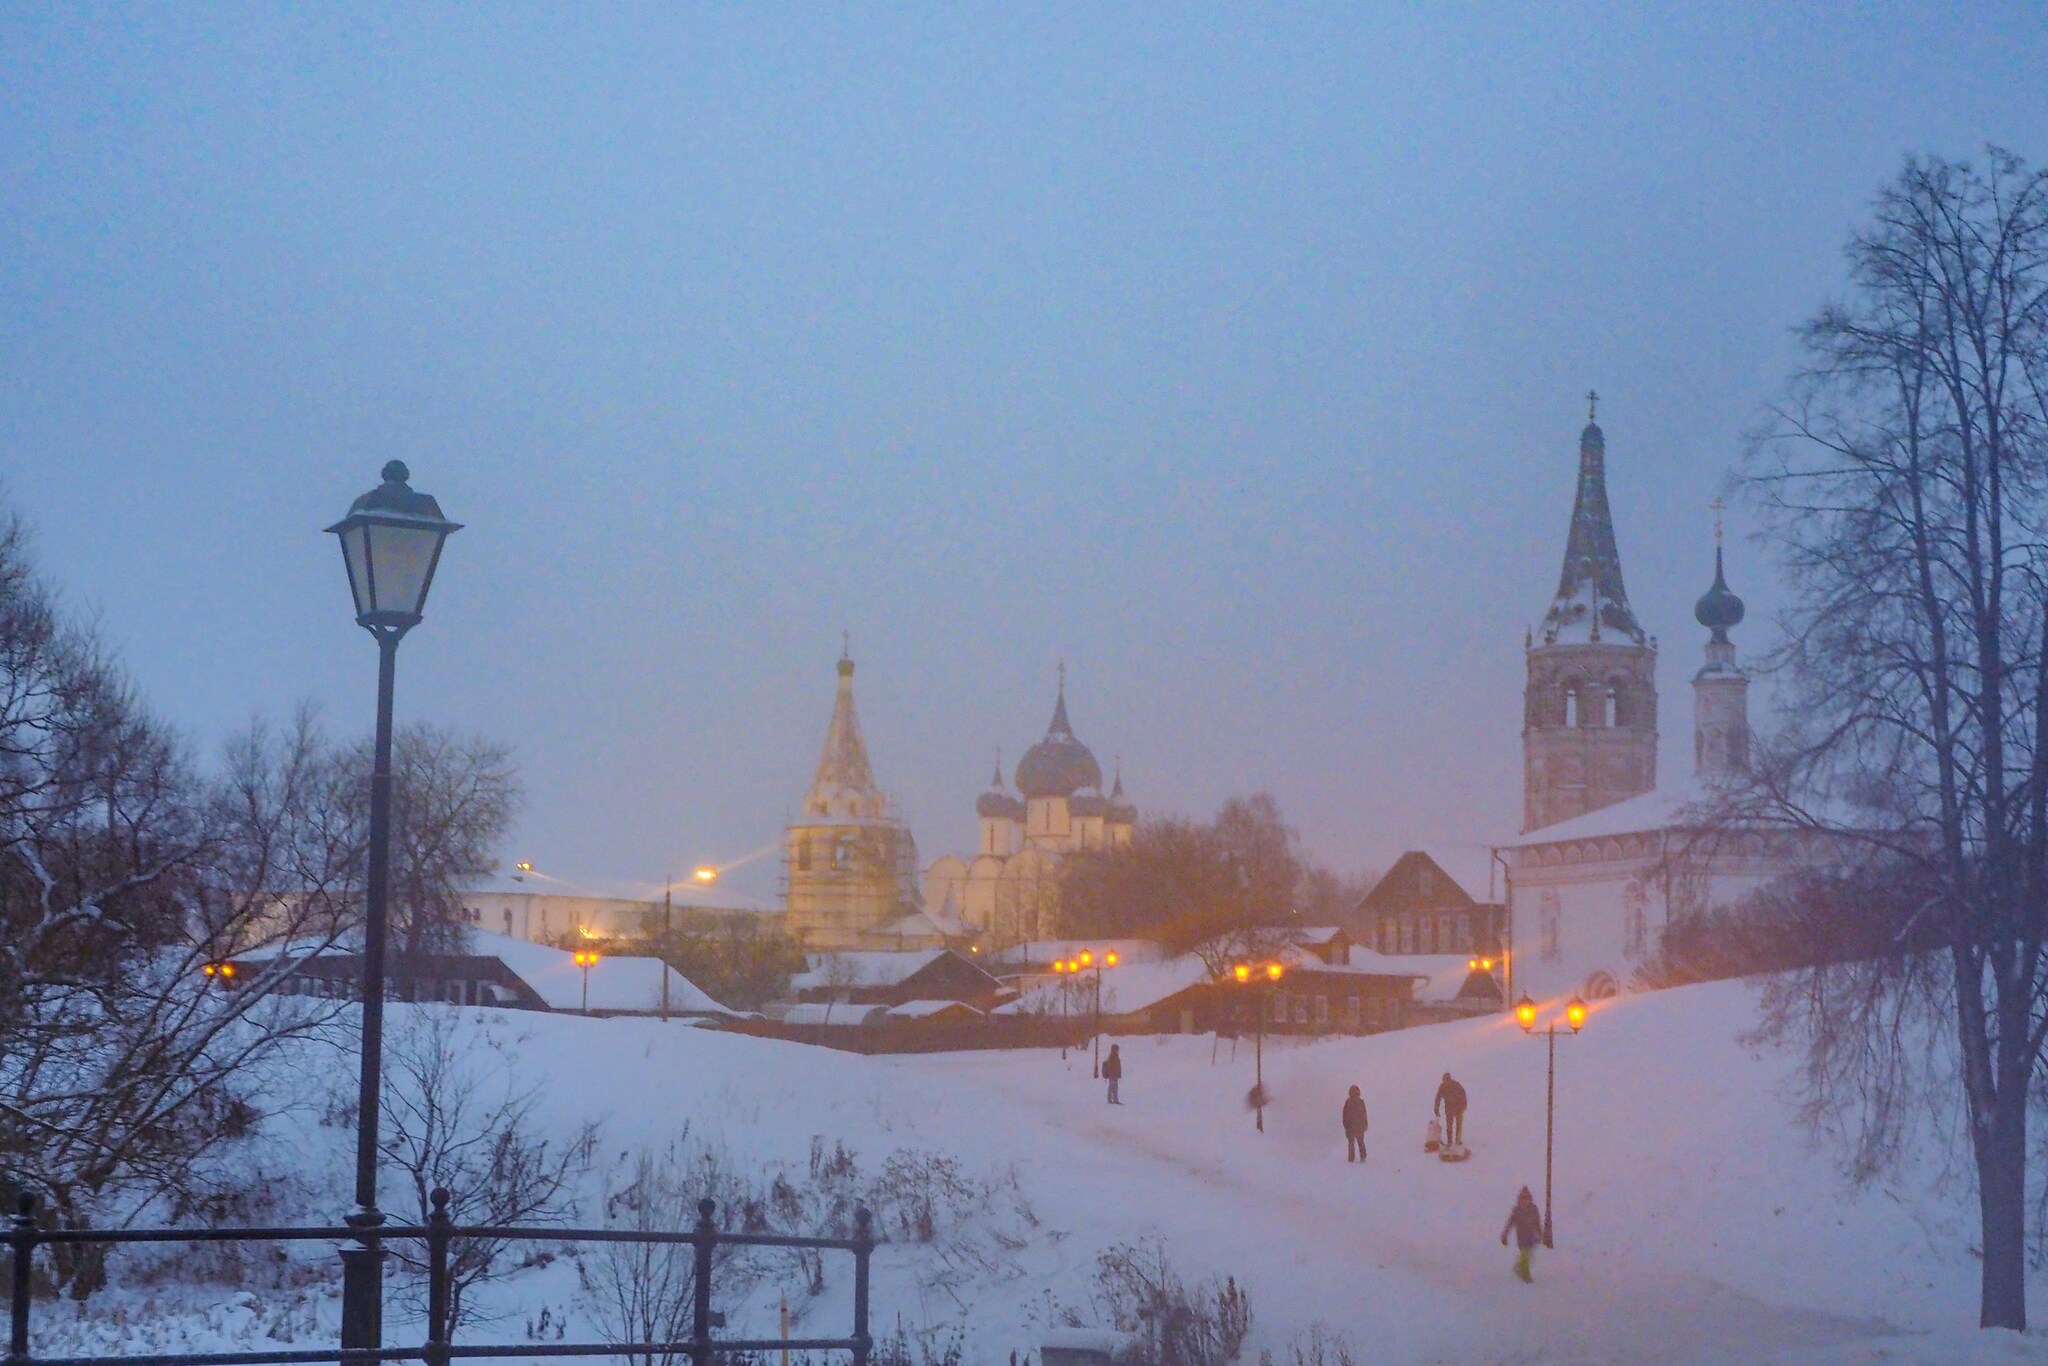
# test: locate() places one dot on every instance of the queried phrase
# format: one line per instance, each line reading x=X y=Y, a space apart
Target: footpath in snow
x=1696 y=1221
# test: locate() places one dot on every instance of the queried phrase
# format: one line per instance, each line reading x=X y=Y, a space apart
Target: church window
x=1571 y=706
x=803 y=855
x=1552 y=924
x=1635 y=919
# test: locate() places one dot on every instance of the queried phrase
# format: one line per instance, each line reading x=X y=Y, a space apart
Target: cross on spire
x=1717 y=505
x=1592 y=404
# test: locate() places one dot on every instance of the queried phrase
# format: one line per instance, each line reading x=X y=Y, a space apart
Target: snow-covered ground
x=1696 y=1221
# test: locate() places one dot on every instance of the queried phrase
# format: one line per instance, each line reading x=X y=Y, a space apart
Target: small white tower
x=1720 y=690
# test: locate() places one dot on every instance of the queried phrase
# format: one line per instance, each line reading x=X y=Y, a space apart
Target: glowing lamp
x=1087 y=957
x=1472 y=965
x=1575 y=1013
x=706 y=874
x=1525 y=1011
x=523 y=866
x=1272 y=972
x=586 y=958
x=1109 y=959
x=390 y=543
x=1242 y=972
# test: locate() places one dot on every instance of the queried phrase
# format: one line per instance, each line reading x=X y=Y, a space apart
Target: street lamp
x=586 y=959
x=1087 y=962
x=1246 y=975
x=1063 y=969
x=1575 y=1016
x=390 y=544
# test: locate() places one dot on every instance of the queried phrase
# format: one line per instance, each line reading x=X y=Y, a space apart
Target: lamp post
x=1088 y=962
x=1575 y=1016
x=587 y=959
x=1062 y=968
x=390 y=544
x=1245 y=974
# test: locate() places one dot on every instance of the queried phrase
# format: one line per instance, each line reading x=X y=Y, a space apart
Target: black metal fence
x=439 y=1234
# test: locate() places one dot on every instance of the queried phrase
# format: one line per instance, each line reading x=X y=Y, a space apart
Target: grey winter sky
x=1234 y=355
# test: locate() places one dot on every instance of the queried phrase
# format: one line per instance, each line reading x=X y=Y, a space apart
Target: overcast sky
x=1235 y=356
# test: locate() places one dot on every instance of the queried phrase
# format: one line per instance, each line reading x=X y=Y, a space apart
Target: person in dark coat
x=1525 y=1221
x=1450 y=1101
x=1113 y=1072
x=1354 y=1127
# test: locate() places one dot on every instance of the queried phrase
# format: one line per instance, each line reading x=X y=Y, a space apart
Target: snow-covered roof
x=1663 y=808
x=617 y=983
x=1318 y=934
x=1441 y=975
x=876 y=968
x=826 y=1013
x=920 y=1010
x=1128 y=987
x=926 y=924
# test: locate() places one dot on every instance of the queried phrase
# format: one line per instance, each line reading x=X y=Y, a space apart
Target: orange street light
x=586 y=959
x=223 y=971
x=1109 y=959
x=1087 y=957
x=1272 y=972
x=1243 y=972
x=1575 y=1016
x=706 y=874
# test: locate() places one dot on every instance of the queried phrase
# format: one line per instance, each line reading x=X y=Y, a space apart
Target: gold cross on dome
x=1592 y=404
x=1717 y=505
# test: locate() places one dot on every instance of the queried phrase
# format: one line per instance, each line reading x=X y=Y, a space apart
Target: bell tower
x=1589 y=710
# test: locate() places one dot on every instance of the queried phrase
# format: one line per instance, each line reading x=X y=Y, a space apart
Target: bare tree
x=1225 y=889
x=122 y=875
x=457 y=1119
x=1905 y=481
x=453 y=796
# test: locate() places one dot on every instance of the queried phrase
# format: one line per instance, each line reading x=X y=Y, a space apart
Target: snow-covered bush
x=1175 y=1324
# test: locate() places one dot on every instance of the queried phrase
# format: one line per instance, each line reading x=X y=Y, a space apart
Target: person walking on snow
x=1450 y=1099
x=1525 y=1221
x=1113 y=1072
x=1354 y=1127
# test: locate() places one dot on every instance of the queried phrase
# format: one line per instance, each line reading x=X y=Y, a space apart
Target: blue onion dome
x=997 y=801
x=1059 y=765
x=1718 y=608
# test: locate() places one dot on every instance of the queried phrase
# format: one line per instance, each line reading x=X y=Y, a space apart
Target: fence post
x=863 y=1248
x=439 y=1329
x=700 y=1314
x=21 y=1235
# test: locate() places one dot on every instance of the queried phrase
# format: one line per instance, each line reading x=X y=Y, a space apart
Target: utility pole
x=667 y=888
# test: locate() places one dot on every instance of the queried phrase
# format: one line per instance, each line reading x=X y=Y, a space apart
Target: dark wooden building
x=1419 y=908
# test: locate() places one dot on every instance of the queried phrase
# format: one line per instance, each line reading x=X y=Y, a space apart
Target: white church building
x=1608 y=855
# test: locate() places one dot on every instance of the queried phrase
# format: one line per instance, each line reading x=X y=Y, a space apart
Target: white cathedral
x=1008 y=892
x=1608 y=855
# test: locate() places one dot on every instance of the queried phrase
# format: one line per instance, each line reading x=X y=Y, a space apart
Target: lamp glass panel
x=402 y=557
x=355 y=554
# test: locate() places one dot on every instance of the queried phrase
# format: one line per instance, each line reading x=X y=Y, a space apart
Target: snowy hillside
x=1694 y=1220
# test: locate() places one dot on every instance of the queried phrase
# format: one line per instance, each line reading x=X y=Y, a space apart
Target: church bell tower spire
x=1589 y=718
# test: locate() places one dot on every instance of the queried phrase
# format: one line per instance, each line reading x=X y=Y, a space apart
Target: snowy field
x=1695 y=1221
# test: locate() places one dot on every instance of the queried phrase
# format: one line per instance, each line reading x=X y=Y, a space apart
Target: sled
x=1435 y=1139
x=1454 y=1152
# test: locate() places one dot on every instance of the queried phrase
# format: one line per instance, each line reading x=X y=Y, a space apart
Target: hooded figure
x=1354 y=1127
x=1113 y=1072
x=1525 y=1221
